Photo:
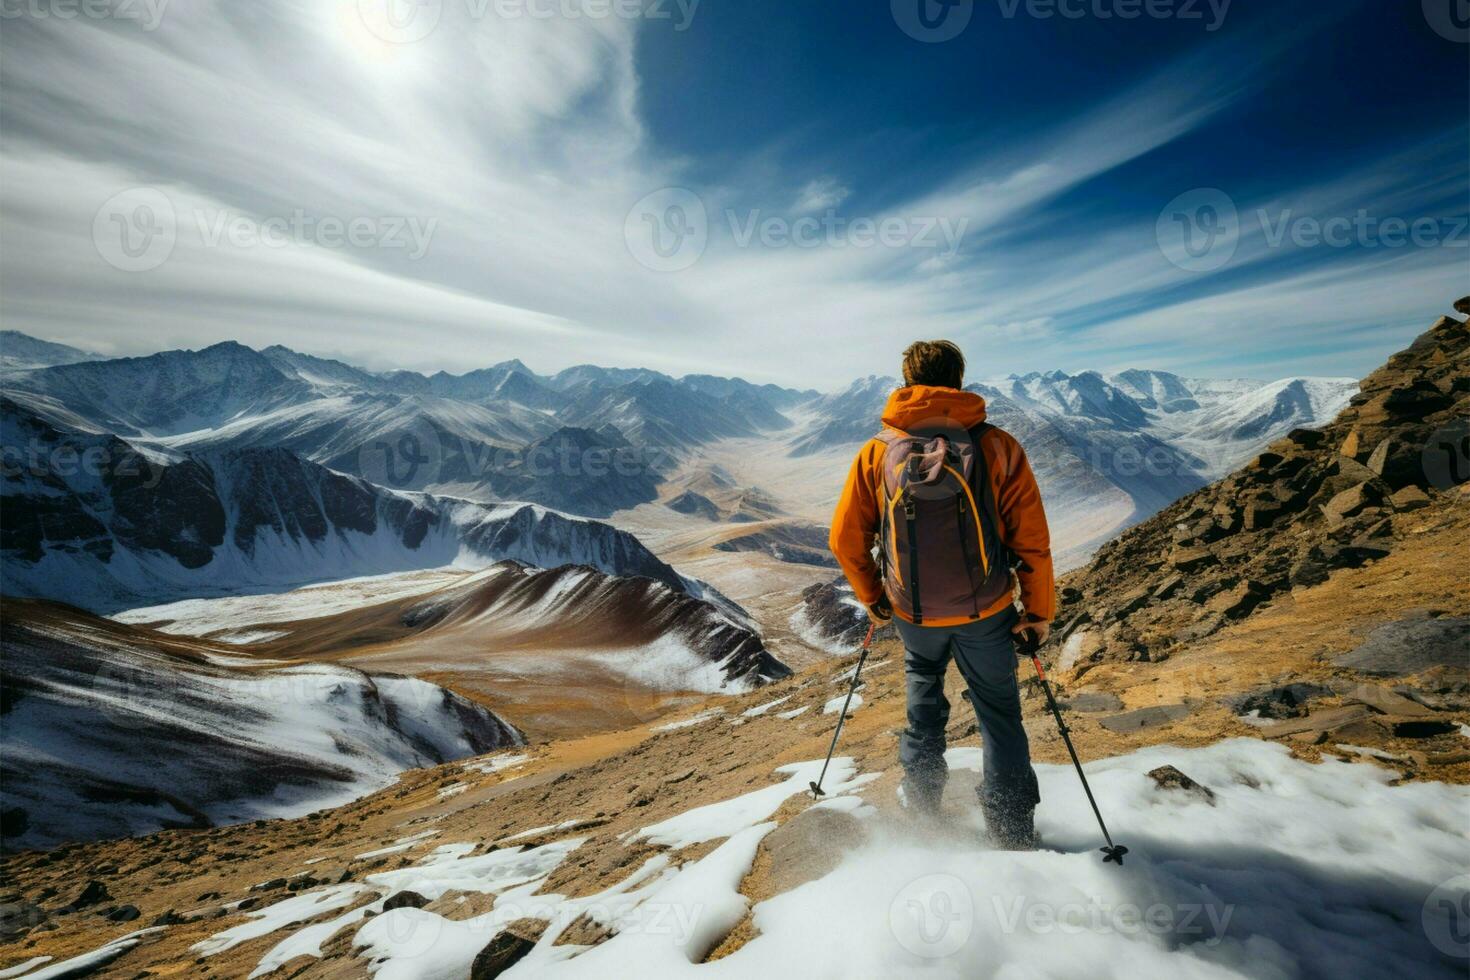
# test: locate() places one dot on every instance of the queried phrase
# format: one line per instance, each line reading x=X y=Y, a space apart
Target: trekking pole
x=1030 y=646
x=867 y=642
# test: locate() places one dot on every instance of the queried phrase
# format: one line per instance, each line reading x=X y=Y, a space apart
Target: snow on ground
x=793 y=713
x=499 y=763
x=398 y=846
x=835 y=705
x=689 y=722
x=87 y=963
x=548 y=829
x=761 y=709
x=237 y=615
x=733 y=815
x=1294 y=870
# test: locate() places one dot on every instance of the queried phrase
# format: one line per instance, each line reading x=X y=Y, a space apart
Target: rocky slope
x=93 y=520
x=1313 y=502
x=112 y=731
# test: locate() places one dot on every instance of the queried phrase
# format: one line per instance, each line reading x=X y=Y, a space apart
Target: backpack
x=940 y=551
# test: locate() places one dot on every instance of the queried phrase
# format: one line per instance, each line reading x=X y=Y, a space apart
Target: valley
x=516 y=733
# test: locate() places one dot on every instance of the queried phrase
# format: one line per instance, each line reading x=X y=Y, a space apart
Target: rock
x=1150 y=717
x=1170 y=778
x=1409 y=498
x=1349 y=502
x=499 y=955
x=1208 y=625
x=1079 y=649
x=1191 y=559
x=168 y=918
x=1168 y=587
x=1306 y=438
x=1410 y=646
x=272 y=885
x=1307 y=572
x=1462 y=305
x=95 y=893
x=1131 y=603
x=1352 y=445
x=1239 y=601
x=17 y=917
x=1327 y=720
x=1378 y=698
x=1089 y=701
x=1278 y=703
x=405 y=900
x=1396 y=463
x=124 y=913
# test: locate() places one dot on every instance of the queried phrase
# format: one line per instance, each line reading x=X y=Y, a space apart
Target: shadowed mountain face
x=92 y=709
x=92 y=520
x=486 y=435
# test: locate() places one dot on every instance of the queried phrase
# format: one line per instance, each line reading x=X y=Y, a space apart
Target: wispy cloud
x=517 y=150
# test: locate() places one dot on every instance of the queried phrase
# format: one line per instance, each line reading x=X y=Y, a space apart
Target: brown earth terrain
x=1267 y=606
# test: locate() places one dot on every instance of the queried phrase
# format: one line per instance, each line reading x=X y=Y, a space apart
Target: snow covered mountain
x=661 y=635
x=500 y=433
x=1109 y=450
x=131 y=527
x=22 y=352
x=91 y=707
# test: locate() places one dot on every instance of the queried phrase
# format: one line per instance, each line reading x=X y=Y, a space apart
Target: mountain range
x=588 y=440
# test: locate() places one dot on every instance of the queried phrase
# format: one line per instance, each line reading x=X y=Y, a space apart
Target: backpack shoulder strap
x=987 y=492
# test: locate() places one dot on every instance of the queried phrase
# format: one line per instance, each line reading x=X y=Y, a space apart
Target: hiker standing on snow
x=954 y=507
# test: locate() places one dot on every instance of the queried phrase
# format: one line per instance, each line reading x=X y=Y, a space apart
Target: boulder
x=1088 y=701
x=1191 y=559
x=1170 y=778
x=500 y=954
x=1327 y=720
x=1352 y=445
x=1411 y=645
x=1306 y=438
x=1409 y=498
x=1238 y=602
x=1168 y=587
x=1462 y=305
x=1395 y=462
x=1150 y=717
x=1349 y=502
x=1079 y=649
x=1131 y=603
x=405 y=900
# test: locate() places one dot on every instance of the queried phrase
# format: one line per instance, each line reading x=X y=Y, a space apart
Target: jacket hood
x=918 y=405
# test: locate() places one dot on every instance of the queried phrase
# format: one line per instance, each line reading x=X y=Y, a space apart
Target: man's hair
x=938 y=363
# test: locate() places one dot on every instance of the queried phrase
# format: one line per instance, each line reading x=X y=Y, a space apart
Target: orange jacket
x=1017 y=498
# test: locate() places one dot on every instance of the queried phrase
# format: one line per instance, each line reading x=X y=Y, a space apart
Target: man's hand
x=1040 y=628
x=880 y=613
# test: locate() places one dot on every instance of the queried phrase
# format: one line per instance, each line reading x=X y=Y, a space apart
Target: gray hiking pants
x=987 y=661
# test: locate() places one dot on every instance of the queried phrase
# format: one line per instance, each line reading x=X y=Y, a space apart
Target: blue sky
x=786 y=191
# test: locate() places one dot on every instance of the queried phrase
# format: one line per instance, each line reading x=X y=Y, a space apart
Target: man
x=956 y=513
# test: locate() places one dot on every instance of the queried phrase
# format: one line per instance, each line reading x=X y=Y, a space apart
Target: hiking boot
x=1009 y=806
x=1011 y=829
x=920 y=797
